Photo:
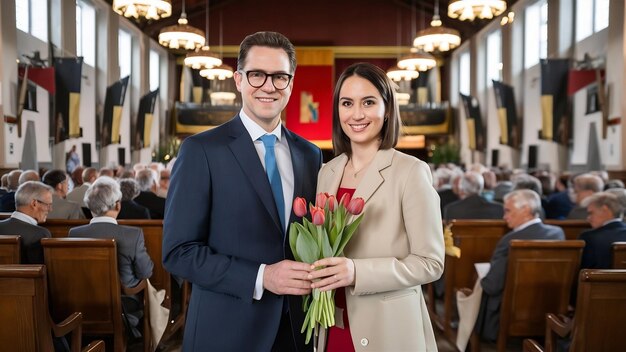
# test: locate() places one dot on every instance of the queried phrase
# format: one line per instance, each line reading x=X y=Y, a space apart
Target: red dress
x=340 y=340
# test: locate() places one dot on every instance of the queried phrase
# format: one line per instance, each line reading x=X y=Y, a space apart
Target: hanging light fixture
x=181 y=35
x=437 y=38
x=417 y=60
x=471 y=9
x=203 y=58
x=395 y=73
x=222 y=71
x=148 y=9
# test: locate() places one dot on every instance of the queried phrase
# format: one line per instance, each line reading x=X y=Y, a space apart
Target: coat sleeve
x=142 y=265
x=493 y=282
x=186 y=230
x=421 y=215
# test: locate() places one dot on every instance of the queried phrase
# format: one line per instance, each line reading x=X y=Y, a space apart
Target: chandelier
x=219 y=72
x=417 y=60
x=150 y=9
x=396 y=73
x=203 y=58
x=181 y=35
x=437 y=37
x=470 y=9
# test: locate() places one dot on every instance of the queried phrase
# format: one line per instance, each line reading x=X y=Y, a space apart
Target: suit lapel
x=243 y=150
x=373 y=178
x=297 y=163
x=336 y=173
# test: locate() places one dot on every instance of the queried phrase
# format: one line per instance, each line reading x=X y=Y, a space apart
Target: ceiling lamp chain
x=203 y=58
x=437 y=38
x=471 y=9
x=222 y=71
x=417 y=60
x=181 y=35
x=148 y=9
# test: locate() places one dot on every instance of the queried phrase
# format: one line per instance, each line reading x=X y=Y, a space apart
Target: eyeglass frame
x=246 y=73
x=48 y=205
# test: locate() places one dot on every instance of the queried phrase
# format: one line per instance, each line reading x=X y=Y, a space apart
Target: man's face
x=598 y=215
x=264 y=104
x=513 y=216
x=42 y=207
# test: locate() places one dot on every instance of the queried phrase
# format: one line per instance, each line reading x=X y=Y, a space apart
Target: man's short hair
x=472 y=183
x=14 y=180
x=54 y=177
x=608 y=199
x=102 y=195
x=4 y=181
x=129 y=188
x=144 y=179
x=525 y=197
x=29 y=175
x=614 y=183
x=30 y=190
x=588 y=182
x=89 y=174
x=270 y=40
x=525 y=181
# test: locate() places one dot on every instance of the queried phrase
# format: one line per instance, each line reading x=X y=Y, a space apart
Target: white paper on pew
x=482 y=269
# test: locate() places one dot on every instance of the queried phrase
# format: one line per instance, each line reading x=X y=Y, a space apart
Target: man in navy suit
x=522 y=209
x=223 y=231
x=605 y=213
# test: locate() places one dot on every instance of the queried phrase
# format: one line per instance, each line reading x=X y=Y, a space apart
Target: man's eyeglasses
x=257 y=79
x=48 y=205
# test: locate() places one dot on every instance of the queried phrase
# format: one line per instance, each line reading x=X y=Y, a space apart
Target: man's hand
x=287 y=278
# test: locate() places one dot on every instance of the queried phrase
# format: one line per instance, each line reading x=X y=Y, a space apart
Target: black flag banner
x=113 y=103
x=556 y=122
x=67 y=79
x=474 y=122
x=145 y=117
x=199 y=87
x=505 y=103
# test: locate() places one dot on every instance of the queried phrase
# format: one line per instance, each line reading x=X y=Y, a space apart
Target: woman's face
x=361 y=111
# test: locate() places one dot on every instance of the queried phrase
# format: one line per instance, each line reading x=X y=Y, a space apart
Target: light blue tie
x=271 y=169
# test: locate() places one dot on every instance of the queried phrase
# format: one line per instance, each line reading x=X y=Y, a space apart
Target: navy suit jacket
x=473 y=207
x=31 y=250
x=597 y=253
x=220 y=224
x=488 y=321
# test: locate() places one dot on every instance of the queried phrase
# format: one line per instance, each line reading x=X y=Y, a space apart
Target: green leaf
x=294 y=230
x=337 y=244
x=307 y=248
x=350 y=229
x=327 y=250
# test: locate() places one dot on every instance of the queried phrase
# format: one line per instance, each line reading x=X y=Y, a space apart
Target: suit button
x=364 y=342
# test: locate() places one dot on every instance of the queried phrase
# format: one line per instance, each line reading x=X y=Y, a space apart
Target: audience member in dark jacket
x=147 y=196
x=130 y=208
x=472 y=205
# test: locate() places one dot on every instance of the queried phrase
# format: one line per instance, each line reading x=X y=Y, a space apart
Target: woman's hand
x=332 y=273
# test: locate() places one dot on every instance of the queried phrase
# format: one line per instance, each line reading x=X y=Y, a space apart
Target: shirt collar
x=23 y=217
x=612 y=220
x=527 y=223
x=103 y=219
x=255 y=131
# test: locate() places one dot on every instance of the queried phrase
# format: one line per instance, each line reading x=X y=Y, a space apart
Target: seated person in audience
x=130 y=208
x=33 y=200
x=583 y=186
x=7 y=201
x=525 y=181
x=29 y=175
x=133 y=262
x=4 y=182
x=614 y=183
x=76 y=177
x=61 y=207
x=472 y=205
x=521 y=213
x=88 y=177
x=559 y=203
x=620 y=193
x=164 y=183
x=105 y=171
x=147 y=195
x=605 y=216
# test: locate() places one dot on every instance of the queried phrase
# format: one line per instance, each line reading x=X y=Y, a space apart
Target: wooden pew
x=571 y=228
x=477 y=240
x=619 y=255
x=10 y=249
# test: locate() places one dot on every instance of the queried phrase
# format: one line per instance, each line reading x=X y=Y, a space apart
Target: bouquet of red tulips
x=332 y=225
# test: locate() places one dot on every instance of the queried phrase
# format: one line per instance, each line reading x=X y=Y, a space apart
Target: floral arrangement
x=331 y=226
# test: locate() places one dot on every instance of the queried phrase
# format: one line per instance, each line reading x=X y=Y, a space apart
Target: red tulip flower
x=345 y=200
x=299 y=207
x=332 y=203
x=317 y=215
x=356 y=206
x=320 y=200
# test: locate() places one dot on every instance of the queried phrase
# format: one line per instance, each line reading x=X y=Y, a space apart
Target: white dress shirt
x=103 y=219
x=527 y=223
x=285 y=168
x=26 y=218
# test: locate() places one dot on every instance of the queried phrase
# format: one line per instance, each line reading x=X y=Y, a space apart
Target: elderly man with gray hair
x=521 y=213
x=130 y=208
x=472 y=205
x=605 y=212
x=147 y=195
x=33 y=201
x=583 y=186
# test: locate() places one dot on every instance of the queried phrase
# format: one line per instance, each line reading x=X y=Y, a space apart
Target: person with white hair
x=7 y=201
x=583 y=186
x=521 y=213
x=472 y=205
x=147 y=194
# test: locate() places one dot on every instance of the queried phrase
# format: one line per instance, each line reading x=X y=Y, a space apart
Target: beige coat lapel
x=373 y=178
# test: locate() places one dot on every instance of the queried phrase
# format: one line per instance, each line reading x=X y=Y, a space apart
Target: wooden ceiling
x=316 y=23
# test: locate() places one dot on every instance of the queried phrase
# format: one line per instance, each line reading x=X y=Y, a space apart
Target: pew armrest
x=141 y=286
x=72 y=324
x=531 y=345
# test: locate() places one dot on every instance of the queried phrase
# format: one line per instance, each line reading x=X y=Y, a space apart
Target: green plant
x=166 y=150
x=446 y=153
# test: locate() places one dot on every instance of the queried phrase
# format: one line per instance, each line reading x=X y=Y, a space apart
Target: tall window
x=494 y=57
x=591 y=16
x=86 y=32
x=535 y=33
x=464 y=73
x=31 y=16
x=124 y=48
x=155 y=70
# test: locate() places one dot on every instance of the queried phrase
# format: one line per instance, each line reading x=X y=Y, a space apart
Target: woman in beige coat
x=399 y=244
